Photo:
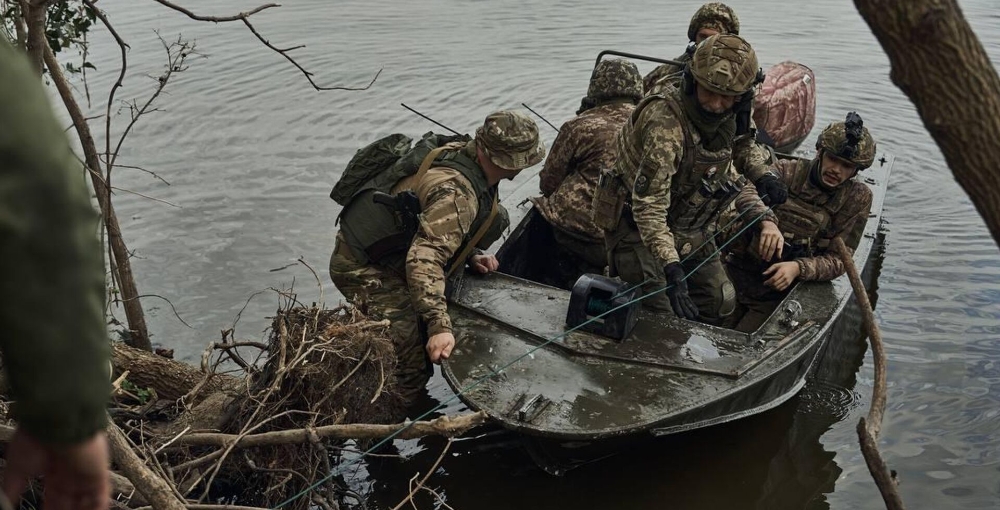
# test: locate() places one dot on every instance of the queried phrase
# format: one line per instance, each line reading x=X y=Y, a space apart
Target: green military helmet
x=725 y=64
x=510 y=139
x=849 y=140
x=714 y=15
x=615 y=78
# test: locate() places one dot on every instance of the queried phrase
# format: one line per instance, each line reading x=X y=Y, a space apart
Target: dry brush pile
x=267 y=429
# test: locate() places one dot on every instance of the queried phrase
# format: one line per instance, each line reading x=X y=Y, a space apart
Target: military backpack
x=384 y=162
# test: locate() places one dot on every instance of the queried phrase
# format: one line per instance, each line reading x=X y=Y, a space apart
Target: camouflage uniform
x=714 y=15
x=411 y=292
x=668 y=172
x=813 y=215
x=584 y=147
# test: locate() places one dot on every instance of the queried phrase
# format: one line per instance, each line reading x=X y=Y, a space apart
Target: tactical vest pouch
x=609 y=201
x=368 y=162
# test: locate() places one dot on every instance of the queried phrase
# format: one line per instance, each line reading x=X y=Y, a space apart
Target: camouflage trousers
x=383 y=294
x=755 y=301
x=708 y=284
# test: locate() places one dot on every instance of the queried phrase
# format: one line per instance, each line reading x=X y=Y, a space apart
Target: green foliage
x=143 y=394
x=67 y=24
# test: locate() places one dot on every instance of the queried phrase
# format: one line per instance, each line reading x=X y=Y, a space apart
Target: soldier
x=674 y=164
x=710 y=19
x=584 y=147
x=55 y=343
x=824 y=202
x=401 y=276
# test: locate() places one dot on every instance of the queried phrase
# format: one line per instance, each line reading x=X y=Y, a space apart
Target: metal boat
x=515 y=359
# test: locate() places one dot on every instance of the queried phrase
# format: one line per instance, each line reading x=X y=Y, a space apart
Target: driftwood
x=151 y=486
x=171 y=379
x=868 y=431
x=448 y=426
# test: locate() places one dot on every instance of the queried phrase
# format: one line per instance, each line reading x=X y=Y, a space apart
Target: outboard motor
x=595 y=295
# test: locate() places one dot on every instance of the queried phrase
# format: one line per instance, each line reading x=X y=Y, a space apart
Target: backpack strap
x=460 y=260
x=425 y=165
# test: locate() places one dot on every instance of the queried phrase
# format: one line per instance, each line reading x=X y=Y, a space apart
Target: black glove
x=771 y=190
x=677 y=291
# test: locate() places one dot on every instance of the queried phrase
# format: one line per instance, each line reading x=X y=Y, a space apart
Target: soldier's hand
x=484 y=263
x=771 y=190
x=439 y=346
x=677 y=291
x=771 y=242
x=782 y=275
x=76 y=476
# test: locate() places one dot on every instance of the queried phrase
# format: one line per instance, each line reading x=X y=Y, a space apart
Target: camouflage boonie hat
x=849 y=140
x=725 y=64
x=510 y=139
x=714 y=15
x=614 y=78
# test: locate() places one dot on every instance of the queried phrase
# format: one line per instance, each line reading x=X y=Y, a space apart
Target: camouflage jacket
x=656 y=139
x=845 y=222
x=665 y=74
x=584 y=147
x=449 y=206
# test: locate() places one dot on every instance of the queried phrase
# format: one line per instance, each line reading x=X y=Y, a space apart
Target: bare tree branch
x=445 y=425
x=244 y=17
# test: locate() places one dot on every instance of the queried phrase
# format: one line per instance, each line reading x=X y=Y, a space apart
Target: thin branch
x=150 y=172
x=426 y=476
x=244 y=17
x=168 y=302
x=171 y=204
x=123 y=46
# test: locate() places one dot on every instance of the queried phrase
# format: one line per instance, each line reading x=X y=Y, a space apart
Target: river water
x=250 y=152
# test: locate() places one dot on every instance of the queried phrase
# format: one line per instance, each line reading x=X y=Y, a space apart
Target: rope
x=475 y=384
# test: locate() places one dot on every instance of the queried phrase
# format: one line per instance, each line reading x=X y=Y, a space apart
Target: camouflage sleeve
x=751 y=207
x=750 y=158
x=656 y=75
x=557 y=164
x=828 y=266
x=449 y=206
x=660 y=138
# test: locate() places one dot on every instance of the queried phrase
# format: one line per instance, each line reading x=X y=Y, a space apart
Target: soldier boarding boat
x=546 y=363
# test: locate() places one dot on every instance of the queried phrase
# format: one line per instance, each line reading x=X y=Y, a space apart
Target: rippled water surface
x=251 y=150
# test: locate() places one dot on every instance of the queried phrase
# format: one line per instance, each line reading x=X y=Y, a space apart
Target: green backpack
x=382 y=163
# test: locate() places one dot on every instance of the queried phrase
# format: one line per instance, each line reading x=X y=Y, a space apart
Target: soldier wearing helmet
x=584 y=147
x=710 y=19
x=400 y=275
x=676 y=163
x=824 y=202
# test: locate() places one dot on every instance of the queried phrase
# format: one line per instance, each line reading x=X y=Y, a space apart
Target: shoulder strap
x=460 y=260
x=425 y=165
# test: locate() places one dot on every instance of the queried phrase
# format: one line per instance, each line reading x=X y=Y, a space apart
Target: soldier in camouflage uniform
x=710 y=19
x=458 y=199
x=584 y=147
x=674 y=175
x=824 y=202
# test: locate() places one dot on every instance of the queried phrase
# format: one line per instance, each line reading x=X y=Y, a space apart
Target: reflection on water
x=250 y=151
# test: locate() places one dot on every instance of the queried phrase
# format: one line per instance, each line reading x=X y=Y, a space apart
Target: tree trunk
x=34 y=16
x=939 y=63
x=138 y=335
x=171 y=379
